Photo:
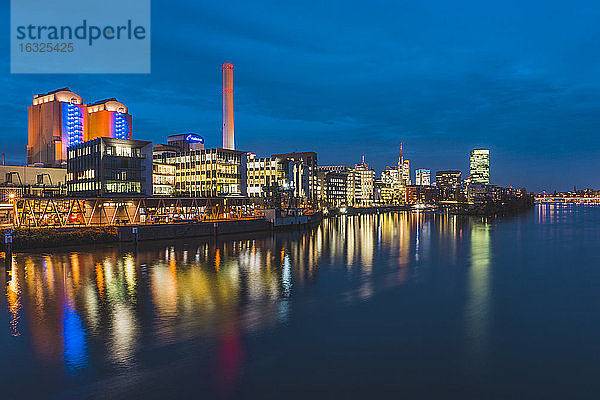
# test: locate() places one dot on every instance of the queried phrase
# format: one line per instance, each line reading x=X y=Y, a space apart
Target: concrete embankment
x=175 y=231
x=59 y=237
x=493 y=208
x=366 y=210
x=25 y=238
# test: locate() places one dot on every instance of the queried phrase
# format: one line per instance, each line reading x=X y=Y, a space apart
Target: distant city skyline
x=362 y=80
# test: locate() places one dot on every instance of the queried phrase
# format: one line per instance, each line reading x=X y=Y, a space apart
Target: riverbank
x=335 y=212
x=493 y=208
x=26 y=238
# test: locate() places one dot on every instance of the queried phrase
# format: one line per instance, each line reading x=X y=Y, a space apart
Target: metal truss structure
x=77 y=212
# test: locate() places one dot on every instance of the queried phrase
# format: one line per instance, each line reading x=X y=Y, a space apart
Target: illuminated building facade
x=406 y=172
x=210 y=173
x=392 y=177
x=228 y=131
x=480 y=166
x=59 y=119
x=264 y=175
x=422 y=194
x=186 y=142
x=161 y=152
x=332 y=185
x=477 y=192
x=364 y=179
x=163 y=179
x=384 y=193
x=322 y=190
x=403 y=168
x=423 y=177
x=308 y=158
x=108 y=167
x=108 y=118
x=270 y=175
x=448 y=179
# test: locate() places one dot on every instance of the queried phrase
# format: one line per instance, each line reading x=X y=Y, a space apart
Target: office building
x=108 y=167
x=392 y=177
x=186 y=142
x=403 y=168
x=478 y=192
x=406 y=172
x=423 y=177
x=210 y=173
x=332 y=185
x=420 y=194
x=329 y=197
x=161 y=152
x=448 y=179
x=308 y=158
x=480 y=166
x=364 y=179
x=163 y=179
x=270 y=175
x=384 y=193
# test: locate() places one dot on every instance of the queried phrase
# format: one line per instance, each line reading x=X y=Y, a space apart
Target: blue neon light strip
x=121 y=126
x=72 y=118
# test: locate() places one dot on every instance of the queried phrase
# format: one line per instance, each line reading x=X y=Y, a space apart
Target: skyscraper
x=406 y=172
x=228 y=132
x=403 y=168
x=423 y=177
x=480 y=166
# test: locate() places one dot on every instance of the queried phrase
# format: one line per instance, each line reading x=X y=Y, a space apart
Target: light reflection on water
x=103 y=309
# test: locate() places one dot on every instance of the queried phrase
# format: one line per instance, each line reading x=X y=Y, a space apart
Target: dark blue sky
x=346 y=79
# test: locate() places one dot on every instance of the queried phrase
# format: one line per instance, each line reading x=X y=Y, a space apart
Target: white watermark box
x=80 y=36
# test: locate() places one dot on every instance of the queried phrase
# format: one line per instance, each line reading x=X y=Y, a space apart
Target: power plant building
x=59 y=119
x=56 y=121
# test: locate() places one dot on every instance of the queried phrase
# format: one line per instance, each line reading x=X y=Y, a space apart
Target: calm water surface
x=411 y=305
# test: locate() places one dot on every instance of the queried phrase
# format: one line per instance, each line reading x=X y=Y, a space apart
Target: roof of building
x=65 y=89
x=103 y=101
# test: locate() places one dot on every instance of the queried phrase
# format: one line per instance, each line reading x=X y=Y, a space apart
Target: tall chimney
x=228 y=135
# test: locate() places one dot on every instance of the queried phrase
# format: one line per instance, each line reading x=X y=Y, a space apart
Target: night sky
x=350 y=78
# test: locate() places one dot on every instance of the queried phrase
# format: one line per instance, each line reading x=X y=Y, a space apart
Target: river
x=400 y=304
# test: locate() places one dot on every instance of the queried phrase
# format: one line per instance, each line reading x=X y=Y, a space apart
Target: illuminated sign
x=192 y=138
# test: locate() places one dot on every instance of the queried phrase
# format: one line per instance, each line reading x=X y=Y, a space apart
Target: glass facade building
x=107 y=167
x=448 y=179
x=210 y=173
x=423 y=177
x=480 y=166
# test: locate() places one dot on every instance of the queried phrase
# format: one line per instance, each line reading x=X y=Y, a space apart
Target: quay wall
x=175 y=231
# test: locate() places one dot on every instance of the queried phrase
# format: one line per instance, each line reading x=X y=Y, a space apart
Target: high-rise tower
x=228 y=133
x=480 y=166
x=400 y=159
